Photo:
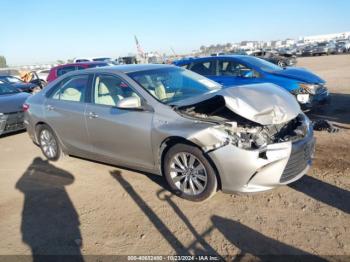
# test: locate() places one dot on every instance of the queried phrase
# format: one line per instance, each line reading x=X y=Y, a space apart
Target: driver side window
x=109 y=90
x=234 y=69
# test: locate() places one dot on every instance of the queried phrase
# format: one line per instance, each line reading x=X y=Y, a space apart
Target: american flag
x=139 y=49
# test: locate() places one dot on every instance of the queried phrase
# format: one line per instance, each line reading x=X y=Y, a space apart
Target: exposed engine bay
x=243 y=132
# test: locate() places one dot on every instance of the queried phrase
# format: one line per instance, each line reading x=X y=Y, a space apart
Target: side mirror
x=132 y=102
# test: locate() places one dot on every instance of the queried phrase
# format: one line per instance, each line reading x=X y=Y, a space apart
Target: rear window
x=65 y=70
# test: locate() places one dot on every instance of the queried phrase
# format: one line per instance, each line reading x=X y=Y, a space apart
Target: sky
x=39 y=31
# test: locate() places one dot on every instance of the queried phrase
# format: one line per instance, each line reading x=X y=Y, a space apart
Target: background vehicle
x=325 y=48
x=166 y=120
x=276 y=58
x=308 y=50
x=95 y=59
x=57 y=71
x=343 y=46
x=11 y=113
x=18 y=84
x=237 y=70
x=43 y=74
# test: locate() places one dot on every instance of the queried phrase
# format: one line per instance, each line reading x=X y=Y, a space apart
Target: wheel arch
x=169 y=142
x=41 y=123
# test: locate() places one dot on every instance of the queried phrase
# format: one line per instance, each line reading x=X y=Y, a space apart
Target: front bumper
x=319 y=99
x=253 y=171
x=12 y=122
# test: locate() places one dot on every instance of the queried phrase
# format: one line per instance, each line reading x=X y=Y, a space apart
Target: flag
x=139 y=49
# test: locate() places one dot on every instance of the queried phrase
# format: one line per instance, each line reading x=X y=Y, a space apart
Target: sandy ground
x=84 y=208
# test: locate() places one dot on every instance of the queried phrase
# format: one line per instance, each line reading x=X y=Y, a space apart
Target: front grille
x=300 y=157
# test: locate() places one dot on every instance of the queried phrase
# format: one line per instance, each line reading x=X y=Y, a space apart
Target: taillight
x=25 y=107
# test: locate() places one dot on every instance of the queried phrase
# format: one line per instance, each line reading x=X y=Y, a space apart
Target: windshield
x=262 y=64
x=10 y=79
x=169 y=85
x=4 y=90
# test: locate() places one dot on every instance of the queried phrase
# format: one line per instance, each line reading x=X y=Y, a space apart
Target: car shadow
x=13 y=133
x=326 y=193
x=255 y=246
x=50 y=223
x=161 y=226
x=338 y=111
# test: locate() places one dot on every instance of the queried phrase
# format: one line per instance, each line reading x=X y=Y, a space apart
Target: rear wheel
x=189 y=173
x=49 y=143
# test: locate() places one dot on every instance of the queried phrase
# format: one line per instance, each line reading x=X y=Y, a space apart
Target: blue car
x=235 y=70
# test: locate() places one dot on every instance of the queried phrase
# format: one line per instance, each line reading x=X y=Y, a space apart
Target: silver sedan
x=172 y=122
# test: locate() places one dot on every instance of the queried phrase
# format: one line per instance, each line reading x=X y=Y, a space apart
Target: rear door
x=65 y=113
x=205 y=68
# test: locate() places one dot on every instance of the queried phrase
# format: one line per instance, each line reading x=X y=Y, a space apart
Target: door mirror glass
x=132 y=102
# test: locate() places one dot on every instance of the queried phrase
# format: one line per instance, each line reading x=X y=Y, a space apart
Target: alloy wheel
x=188 y=173
x=48 y=143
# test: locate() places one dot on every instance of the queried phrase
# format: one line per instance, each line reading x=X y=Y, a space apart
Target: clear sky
x=35 y=31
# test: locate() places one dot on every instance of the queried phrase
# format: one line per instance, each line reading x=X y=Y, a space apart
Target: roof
x=191 y=59
x=130 y=68
x=82 y=63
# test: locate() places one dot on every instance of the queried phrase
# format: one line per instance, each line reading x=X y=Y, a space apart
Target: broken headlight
x=246 y=140
x=310 y=88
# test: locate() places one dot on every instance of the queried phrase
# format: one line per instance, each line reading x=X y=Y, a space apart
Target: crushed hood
x=265 y=104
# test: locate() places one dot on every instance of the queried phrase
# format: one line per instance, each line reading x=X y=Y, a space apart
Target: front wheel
x=281 y=64
x=189 y=173
x=49 y=143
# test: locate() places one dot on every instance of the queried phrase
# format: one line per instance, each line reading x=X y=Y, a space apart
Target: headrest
x=103 y=89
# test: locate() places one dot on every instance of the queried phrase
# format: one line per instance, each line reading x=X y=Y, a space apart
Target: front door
x=120 y=136
x=232 y=73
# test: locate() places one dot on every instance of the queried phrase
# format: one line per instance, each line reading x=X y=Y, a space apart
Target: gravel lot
x=81 y=207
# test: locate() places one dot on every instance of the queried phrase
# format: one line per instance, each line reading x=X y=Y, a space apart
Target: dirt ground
x=85 y=208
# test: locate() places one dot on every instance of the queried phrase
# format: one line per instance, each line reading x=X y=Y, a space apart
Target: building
x=323 y=38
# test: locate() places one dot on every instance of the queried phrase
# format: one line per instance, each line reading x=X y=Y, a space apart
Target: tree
x=2 y=62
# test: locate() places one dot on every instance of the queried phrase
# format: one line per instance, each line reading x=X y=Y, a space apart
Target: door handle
x=93 y=115
x=49 y=108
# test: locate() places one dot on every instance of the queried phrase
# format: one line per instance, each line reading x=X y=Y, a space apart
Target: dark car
x=308 y=50
x=57 y=71
x=237 y=70
x=18 y=84
x=342 y=47
x=11 y=112
x=280 y=60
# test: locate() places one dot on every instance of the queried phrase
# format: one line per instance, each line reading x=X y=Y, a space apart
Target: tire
x=47 y=138
x=281 y=63
x=197 y=180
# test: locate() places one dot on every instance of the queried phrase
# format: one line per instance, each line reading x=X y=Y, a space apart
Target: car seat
x=71 y=94
x=103 y=95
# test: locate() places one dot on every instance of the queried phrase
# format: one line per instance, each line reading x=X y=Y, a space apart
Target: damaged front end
x=311 y=95
x=254 y=148
x=231 y=128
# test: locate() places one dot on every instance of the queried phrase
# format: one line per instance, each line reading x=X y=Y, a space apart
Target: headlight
x=310 y=88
